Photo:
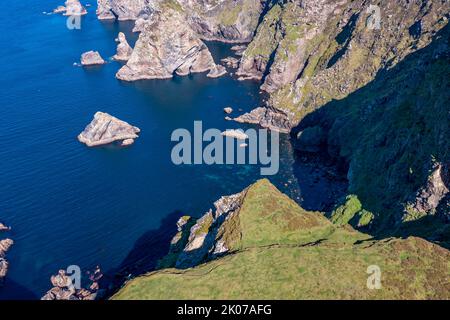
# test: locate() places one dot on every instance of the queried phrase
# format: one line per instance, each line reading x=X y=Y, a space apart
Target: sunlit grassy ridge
x=285 y=252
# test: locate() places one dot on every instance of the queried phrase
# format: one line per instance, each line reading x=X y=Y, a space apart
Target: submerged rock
x=4 y=227
x=105 y=129
x=91 y=58
x=217 y=71
x=124 y=50
x=166 y=46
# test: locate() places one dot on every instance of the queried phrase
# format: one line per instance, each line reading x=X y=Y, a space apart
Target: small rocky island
x=5 y=244
x=105 y=129
x=91 y=58
x=71 y=8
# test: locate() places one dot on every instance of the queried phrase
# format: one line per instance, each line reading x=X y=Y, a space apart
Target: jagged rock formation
x=124 y=50
x=73 y=8
x=105 y=129
x=223 y=20
x=259 y=244
x=122 y=9
x=267 y=117
x=429 y=197
x=5 y=244
x=166 y=46
x=230 y=62
x=91 y=58
x=64 y=288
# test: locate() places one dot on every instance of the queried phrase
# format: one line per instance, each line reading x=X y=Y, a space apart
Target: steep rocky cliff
x=5 y=244
x=166 y=45
x=310 y=52
x=259 y=244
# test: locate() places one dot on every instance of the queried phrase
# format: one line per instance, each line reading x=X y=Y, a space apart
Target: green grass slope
x=285 y=252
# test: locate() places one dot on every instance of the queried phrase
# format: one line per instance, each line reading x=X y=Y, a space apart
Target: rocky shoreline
x=5 y=245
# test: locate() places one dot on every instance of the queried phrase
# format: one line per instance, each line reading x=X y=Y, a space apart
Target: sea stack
x=105 y=129
x=166 y=45
x=91 y=58
x=124 y=50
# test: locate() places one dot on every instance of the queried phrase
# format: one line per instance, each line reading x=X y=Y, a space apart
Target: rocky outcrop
x=166 y=46
x=64 y=288
x=104 y=10
x=5 y=244
x=429 y=197
x=91 y=58
x=124 y=50
x=105 y=129
x=217 y=71
x=223 y=20
x=228 y=110
x=267 y=118
x=73 y=8
x=206 y=238
x=122 y=9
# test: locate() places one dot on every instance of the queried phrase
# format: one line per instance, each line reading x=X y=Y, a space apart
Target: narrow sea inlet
x=72 y=205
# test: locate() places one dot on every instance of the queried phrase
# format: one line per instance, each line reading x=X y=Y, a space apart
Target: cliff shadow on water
x=388 y=136
x=145 y=254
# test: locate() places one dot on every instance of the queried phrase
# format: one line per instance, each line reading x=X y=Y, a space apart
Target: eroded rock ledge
x=105 y=129
x=124 y=50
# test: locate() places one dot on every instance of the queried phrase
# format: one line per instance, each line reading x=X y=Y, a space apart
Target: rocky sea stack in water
x=167 y=45
x=91 y=58
x=105 y=129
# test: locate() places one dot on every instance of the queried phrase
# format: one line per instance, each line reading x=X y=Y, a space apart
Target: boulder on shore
x=124 y=50
x=105 y=129
x=91 y=58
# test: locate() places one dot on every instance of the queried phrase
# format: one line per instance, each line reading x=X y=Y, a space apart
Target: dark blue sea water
x=68 y=204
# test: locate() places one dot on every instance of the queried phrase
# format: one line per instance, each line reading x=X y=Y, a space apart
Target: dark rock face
x=5 y=244
x=311 y=139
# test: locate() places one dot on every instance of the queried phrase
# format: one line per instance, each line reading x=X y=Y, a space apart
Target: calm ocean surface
x=68 y=204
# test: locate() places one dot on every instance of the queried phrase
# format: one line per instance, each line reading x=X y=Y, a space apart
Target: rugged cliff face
x=310 y=52
x=223 y=20
x=166 y=45
x=259 y=244
x=5 y=244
